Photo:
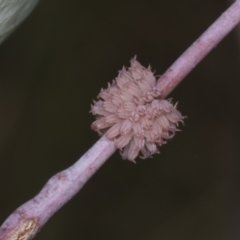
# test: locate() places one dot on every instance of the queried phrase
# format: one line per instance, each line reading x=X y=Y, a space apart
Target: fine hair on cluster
x=132 y=114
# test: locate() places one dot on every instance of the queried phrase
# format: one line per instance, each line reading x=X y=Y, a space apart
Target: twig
x=32 y=215
x=199 y=49
x=24 y=222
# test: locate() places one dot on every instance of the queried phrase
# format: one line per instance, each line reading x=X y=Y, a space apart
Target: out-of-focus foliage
x=12 y=12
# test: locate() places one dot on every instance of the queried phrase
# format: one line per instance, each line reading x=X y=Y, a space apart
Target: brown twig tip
x=26 y=230
x=132 y=113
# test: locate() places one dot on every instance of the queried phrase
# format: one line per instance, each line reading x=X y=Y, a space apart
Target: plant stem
x=24 y=222
x=199 y=49
x=58 y=190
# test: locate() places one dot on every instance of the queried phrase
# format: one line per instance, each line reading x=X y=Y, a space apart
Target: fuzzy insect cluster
x=132 y=114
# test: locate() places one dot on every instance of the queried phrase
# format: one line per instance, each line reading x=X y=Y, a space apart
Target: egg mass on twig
x=132 y=114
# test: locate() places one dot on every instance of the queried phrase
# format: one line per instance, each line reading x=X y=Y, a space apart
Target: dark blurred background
x=53 y=66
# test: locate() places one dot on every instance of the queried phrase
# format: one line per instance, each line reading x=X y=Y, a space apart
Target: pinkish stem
x=199 y=49
x=32 y=215
x=25 y=221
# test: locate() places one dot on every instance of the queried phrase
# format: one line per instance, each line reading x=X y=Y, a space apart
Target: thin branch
x=24 y=222
x=32 y=215
x=199 y=49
